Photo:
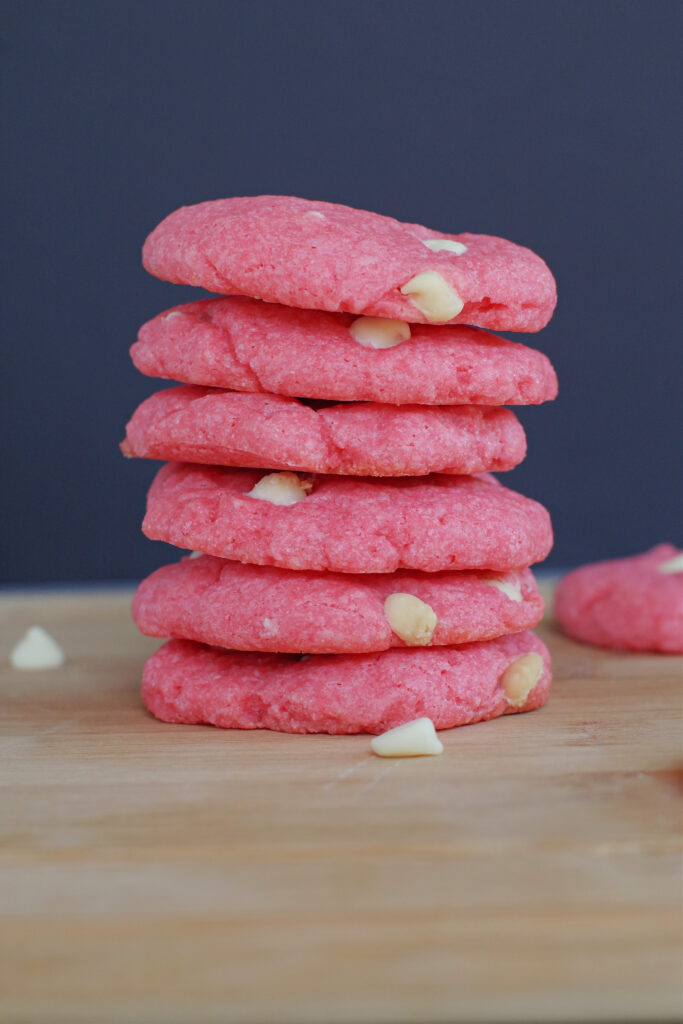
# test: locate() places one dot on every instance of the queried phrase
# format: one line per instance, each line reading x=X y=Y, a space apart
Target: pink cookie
x=262 y=608
x=230 y=428
x=632 y=604
x=316 y=255
x=349 y=524
x=189 y=683
x=254 y=346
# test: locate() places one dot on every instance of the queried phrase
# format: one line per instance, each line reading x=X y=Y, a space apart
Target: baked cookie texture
x=328 y=455
x=630 y=604
x=317 y=255
x=247 y=345
x=349 y=524
x=264 y=608
x=189 y=683
x=232 y=428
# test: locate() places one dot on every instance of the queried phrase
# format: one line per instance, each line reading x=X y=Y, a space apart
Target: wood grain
x=162 y=873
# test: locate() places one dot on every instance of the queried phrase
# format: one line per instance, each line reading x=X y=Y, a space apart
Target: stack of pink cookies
x=330 y=450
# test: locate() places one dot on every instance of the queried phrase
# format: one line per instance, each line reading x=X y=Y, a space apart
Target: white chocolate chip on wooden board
x=37 y=650
x=414 y=739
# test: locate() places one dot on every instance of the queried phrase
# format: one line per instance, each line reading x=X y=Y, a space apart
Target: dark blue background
x=554 y=124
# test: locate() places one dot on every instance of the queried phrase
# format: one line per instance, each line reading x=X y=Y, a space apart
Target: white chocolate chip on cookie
x=414 y=739
x=511 y=588
x=281 y=488
x=672 y=565
x=378 y=332
x=169 y=316
x=433 y=296
x=37 y=650
x=520 y=677
x=444 y=245
x=411 y=619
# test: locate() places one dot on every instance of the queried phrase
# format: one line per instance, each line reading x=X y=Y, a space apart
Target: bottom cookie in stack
x=190 y=683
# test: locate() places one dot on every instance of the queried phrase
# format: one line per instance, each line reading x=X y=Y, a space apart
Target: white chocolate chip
x=672 y=565
x=414 y=739
x=281 y=488
x=378 y=332
x=444 y=245
x=269 y=627
x=37 y=649
x=195 y=554
x=175 y=312
x=520 y=677
x=511 y=588
x=315 y=213
x=433 y=296
x=410 y=618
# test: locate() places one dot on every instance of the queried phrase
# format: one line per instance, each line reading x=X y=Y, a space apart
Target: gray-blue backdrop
x=552 y=123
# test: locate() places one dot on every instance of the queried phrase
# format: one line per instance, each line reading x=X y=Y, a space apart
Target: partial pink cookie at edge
x=626 y=603
x=348 y=524
x=263 y=608
x=318 y=255
x=188 y=683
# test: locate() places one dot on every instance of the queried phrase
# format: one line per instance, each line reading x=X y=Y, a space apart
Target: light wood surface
x=168 y=873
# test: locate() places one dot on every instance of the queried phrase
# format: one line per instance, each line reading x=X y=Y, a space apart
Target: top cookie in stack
x=333 y=305
x=313 y=255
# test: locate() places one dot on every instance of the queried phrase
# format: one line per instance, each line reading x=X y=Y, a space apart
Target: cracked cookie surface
x=350 y=524
x=229 y=428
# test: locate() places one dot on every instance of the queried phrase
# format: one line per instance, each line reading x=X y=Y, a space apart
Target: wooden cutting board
x=169 y=873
